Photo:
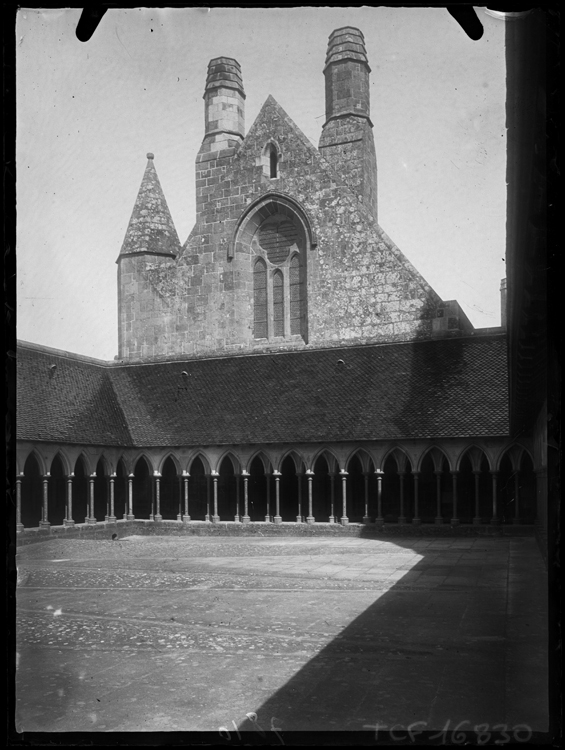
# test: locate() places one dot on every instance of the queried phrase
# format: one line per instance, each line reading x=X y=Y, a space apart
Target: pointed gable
x=151 y=229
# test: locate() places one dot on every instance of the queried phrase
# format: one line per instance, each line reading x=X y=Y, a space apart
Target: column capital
x=309 y=473
x=46 y=475
x=113 y=475
x=185 y=474
x=93 y=475
x=245 y=473
x=379 y=472
x=214 y=473
x=494 y=472
x=454 y=472
x=131 y=476
x=157 y=474
x=277 y=474
x=344 y=473
x=71 y=475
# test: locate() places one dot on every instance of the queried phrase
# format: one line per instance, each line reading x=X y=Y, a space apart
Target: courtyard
x=282 y=634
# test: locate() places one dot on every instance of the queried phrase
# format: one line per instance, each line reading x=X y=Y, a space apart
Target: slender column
x=439 y=517
x=455 y=519
x=207 y=516
x=268 y=514
x=91 y=518
x=277 y=476
x=310 y=479
x=416 y=520
x=186 y=516
x=245 y=518
x=179 y=490
x=401 y=517
x=69 y=514
x=344 y=519
x=215 y=477
x=494 y=519
x=130 y=516
x=379 y=519
x=516 y=518
x=158 y=516
x=366 y=518
x=19 y=524
x=299 y=516
x=477 y=518
x=111 y=518
x=237 y=516
x=125 y=497
x=107 y=500
x=332 y=497
x=45 y=505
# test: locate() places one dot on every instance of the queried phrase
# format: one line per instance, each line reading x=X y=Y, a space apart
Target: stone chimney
x=224 y=99
x=347 y=137
x=451 y=321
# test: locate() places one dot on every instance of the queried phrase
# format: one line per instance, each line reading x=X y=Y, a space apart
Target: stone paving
x=215 y=633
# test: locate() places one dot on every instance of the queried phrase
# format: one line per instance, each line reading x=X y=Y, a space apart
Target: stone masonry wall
x=360 y=288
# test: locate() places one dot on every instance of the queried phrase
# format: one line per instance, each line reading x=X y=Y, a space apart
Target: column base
x=151 y=516
x=344 y=521
x=380 y=522
x=494 y=522
x=402 y=520
x=477 y=521
x=298 y=519
x=44 y=525
x=455 y=522
x=130 y=517
x=246 y=519
x=90 y=521
x=105 y=519
x=207 y=518
x=125 y=516
x=237 y=519
x=185 y=519
x=19 y=527
x=158 y=517
x=366 y=519
x=310 y=519
x=516 y=520
x=215 y=519
x=417 y=521
x=267 y=519
x=278 y=519
x=179 y=517
x=66 y=522
x=438 y=521
x=112 y=519
x=331 y=519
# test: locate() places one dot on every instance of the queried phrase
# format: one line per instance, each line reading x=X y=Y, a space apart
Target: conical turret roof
x=151 y=229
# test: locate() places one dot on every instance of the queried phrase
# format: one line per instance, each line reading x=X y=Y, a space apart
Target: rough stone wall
x=360 y=288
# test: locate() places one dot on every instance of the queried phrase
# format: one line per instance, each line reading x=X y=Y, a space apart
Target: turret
x=347 y=139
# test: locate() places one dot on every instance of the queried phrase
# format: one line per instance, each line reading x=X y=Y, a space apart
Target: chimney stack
x=503 y=304
x=224 y=99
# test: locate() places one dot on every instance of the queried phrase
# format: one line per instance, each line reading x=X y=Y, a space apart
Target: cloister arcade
x=489 y=482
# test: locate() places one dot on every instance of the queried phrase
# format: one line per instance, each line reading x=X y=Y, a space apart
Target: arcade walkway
x=224 y=634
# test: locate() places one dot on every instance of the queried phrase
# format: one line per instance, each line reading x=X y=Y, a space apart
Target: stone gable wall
x=360 y=288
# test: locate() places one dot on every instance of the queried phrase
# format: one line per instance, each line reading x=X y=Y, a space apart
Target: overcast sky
x=89 y=112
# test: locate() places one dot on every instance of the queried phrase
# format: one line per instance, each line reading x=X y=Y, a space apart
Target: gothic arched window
x=260 y=299
x=273 y=159
x=278 y=304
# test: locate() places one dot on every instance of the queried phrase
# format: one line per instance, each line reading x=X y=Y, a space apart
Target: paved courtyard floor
x=219 y=634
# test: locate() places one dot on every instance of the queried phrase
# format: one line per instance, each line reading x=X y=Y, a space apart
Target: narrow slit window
x=260 y=300
x=278 y=304
x=273 y=162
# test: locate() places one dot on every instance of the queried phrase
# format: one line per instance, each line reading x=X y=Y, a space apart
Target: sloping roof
x=72 y=402
x=429 y=389
x=151 y=228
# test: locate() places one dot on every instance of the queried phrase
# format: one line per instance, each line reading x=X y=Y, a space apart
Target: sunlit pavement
x=217 y=634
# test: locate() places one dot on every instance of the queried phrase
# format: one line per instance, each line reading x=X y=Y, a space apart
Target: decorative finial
x=150 y=155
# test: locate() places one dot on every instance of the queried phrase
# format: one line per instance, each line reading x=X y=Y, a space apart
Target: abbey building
x=286 y=363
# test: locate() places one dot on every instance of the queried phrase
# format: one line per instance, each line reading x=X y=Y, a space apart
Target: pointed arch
x=65 y=463
x=106 y=467
x=39 y=461
x=514 y=454
x=329 y=455
x=260 y=302
x=437 y=455
x=82 y=459
x=297 y=459
x=400 y=456
x=475 y=454
x=143 y=457
x=364 y=457
x=205 y=461
x=264 y=458
x=173 y=458
x=278 y=303
x=230 y=456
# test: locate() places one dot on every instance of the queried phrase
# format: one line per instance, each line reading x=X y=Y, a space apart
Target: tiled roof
x=73 y=402
x=442 y=388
